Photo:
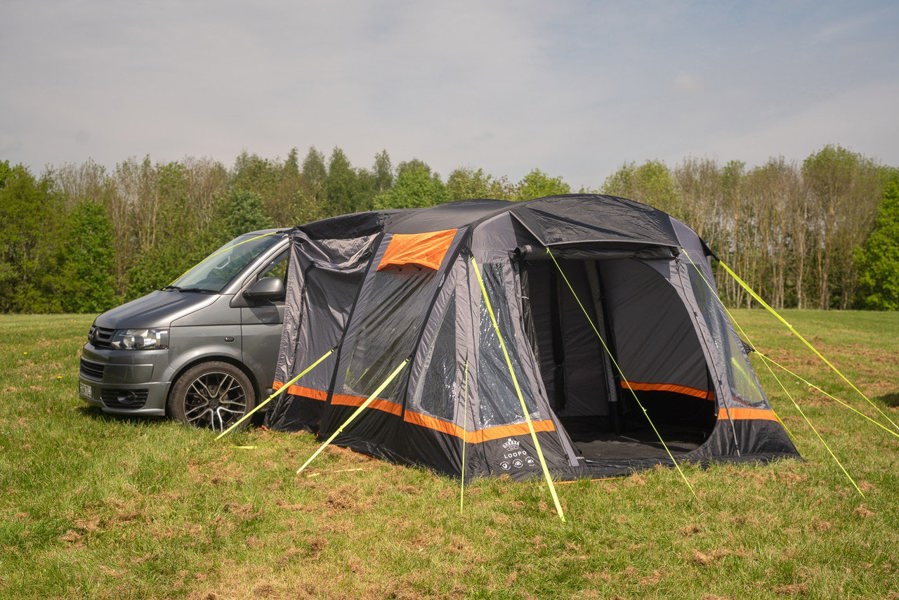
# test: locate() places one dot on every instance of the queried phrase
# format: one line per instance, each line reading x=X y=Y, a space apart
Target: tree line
x=84 y=238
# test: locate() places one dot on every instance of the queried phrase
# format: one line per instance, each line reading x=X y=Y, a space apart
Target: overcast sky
x=574 y=88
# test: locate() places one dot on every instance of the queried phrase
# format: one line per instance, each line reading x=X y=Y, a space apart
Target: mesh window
x=385 y=334
x=740 y=376
x=499 y=404
x=439 y=386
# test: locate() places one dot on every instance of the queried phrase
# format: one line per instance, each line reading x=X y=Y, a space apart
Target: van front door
x=261 y=324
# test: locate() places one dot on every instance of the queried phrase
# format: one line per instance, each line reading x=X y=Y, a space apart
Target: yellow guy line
x=820 y=437
x=745 y=335
x=524 y=408
x=621 y=373
x=779 y=382
x=767 y=358
x=356 y=413
x=758 y=299
x=280 y=391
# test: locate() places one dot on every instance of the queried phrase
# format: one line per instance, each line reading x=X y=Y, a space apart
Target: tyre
x=212 y=395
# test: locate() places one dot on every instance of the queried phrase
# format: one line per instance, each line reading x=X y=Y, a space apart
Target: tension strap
x=277 y=393
x=355 y=414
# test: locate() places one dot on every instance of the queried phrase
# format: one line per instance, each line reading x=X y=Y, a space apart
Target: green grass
x=98 y=507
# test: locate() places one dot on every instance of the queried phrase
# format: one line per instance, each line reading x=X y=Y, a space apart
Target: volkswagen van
x=201 y=350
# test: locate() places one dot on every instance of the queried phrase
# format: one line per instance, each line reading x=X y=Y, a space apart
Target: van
x=201 y=350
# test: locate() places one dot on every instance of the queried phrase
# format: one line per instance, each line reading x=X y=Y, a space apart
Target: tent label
x=514 y=456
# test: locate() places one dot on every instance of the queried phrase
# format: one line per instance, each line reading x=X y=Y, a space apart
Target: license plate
x=86 y=391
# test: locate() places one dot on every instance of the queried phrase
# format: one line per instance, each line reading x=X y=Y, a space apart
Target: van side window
x=276 y=268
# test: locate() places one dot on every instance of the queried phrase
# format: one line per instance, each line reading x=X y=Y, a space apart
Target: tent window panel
x=499 y=404
x=385 y=334
x=741 y=378
x=439 y=387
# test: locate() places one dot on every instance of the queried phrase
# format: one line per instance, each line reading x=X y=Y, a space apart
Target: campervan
x=201 y=350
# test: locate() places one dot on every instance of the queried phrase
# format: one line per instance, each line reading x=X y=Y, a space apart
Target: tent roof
x=559 y=220
x=554 y=221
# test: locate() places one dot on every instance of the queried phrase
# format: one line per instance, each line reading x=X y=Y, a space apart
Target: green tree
x=29 y=215
x=244 y=212
x=341 y=185
x=382 y=172
x=538 y=184
x=312 y=198
x=466 y=183
x=86 y=274
x=843 y=190
x=651 y=183
x=877 y=261
x=416 y=187
x=173 y=224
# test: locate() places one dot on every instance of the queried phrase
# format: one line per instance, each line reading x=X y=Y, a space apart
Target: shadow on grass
x=95 y=413
x=891 y=399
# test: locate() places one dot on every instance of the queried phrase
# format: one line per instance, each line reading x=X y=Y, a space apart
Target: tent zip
x=524 y=408
x=277 y=393
x=620 y=372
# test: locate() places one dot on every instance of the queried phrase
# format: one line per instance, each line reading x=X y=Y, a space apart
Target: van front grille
x=100 y=337
x=91 y=369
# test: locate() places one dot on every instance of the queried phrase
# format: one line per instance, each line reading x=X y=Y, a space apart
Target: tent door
x=657 y=345
x=577 y=373
x=602 y=323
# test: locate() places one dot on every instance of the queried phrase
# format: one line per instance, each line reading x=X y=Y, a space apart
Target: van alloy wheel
x=212 y=395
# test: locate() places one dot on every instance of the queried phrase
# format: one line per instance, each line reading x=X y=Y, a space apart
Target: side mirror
x=267 y=288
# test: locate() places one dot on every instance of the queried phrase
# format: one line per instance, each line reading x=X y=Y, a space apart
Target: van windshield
x=217 y=270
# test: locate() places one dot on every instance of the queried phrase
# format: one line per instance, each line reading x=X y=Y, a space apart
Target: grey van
x=201 y=350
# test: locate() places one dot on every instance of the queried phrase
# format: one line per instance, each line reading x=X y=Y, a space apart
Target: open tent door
x=652 y=339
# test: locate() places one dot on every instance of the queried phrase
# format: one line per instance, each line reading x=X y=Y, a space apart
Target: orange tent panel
x=420 y=249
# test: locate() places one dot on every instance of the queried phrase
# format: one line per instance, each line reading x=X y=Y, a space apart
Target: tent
x=577 y=334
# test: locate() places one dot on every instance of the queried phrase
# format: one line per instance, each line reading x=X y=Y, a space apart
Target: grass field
x=99 y=507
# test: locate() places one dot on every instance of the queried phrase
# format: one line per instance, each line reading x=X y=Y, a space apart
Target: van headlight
x=140 y=339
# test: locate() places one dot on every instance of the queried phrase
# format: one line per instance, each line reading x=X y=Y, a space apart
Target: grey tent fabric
x=425 y=285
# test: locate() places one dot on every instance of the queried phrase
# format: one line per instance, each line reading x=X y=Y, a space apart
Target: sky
x=574 y=88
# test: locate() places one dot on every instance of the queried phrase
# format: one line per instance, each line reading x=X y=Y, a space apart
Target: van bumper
x=122 y=382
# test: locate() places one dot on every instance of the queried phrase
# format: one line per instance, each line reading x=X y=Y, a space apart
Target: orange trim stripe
x=746 y=414
x=427 y=421
x=377 y=404
x=669 y=387
x=421 y=249
x=480 y=435
x=298 y=390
